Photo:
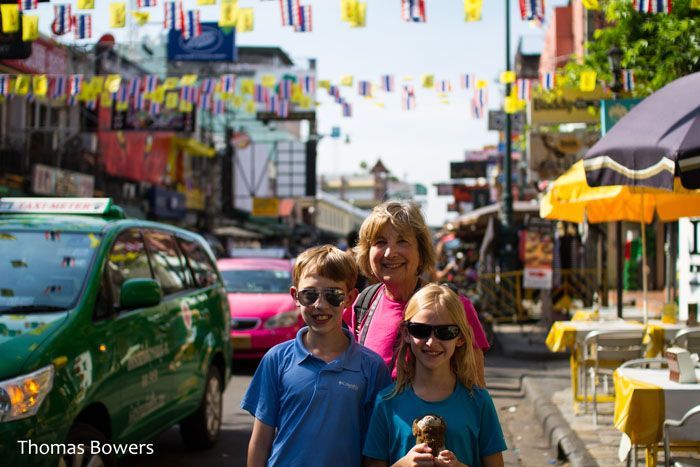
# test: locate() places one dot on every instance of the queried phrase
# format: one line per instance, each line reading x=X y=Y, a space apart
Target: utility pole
x=507 y=195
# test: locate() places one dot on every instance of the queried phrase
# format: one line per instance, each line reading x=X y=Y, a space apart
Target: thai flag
x=413 y=11
x=482 y=97
x=174 y=16
x=660 y=6
x=123 y=94
x=408 y=102
x=134 y=86
x=145 y=3
x=91 y=104
x=151 y=83
x=155 y=108
x=228 y=82
x=4 y=85
x=628 y=80
x=261 y=94
x=75 y=84
x=272 y=104
x=364 y=88
x=283 y=108
x=285 y=89
x=309 y=84
x=193 y=24
x=187 y=94
x=140 y=102
x=387 y=83
x=58 y=86
x=477 y=110
x=641 y=6
x=63 y=20
x=466 y=80
x=28 y=4
x=208 y=86
x=532 y=9
x=444 y=86
x=219 y=106
x=304 y=24
x=83 y=26
x=547 y=80
x=205 y=101
x=335 y=92
x=347 y=109
x=524 y=89
x=290 y=12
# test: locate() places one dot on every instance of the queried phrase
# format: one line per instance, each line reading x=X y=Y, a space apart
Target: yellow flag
x=171 y=100
x=347 y=10
x=112 y=83
x=507 y=77
x=511 y=105
x=407 y=78
x=481 y=83
x=96 y=84
x=117 y=15
x=141 y=17
x=105 y=99
x=472 y=10
x=250 y=107
x=247 y=87
x=359 y=19
x=591 y=4
x=188 y=80
x=10 y=18
x=237 y=101
x=22 y=84
x=305 y=101
x=296 y=93
x=246 y=20
x=186 y=106
x=86 y=4
x=206 y=2
x=122 y=106
x=171 y=82
x=427 y=81
x=268 y=81
x=229 y=13
x=40 y=85
x=588 y=79
x=324 y=84
x=30 y=28
x=158 y=96
x=346 y=80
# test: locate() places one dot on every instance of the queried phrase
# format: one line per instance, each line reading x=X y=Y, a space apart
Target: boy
x=317 y=391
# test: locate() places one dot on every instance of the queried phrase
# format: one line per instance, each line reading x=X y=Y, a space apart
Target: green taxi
x=111 y=331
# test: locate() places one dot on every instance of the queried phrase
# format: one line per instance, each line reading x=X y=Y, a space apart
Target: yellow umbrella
x=569 y=198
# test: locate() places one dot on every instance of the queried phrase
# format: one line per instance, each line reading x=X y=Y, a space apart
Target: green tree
x=658 y=47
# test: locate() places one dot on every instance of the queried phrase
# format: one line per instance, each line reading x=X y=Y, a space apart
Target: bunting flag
x=507 y=77
x=123 y=94
x=270 y=104
x=22 y=83
x=285 y=89
x=359 y=19
x=146 y=3
x=228 y=83
x=290 y=12
x=245 y=21
x=25 y=5
x=30 y=28
x=134 y=86
x=117 y=15
x=173 y=16
x=547 y=80
x=140 y=102
x=472 y=10
x=262 y=94
x=309 y=84
x=247 y=87
x=283 y=108
x=443 y=86
x=387 y=83
x=347 y=109
x=40 y=85
x=58 y=86
x=660 y=6
x=91 y=104
x=408 y=101
x=477 y=110
x=229 y=13
x=4 y=85
x=141 y=17
x=151 y=83
x=524 y=89
x=364 y=88
x=466 y=81
x=482 y=97
x=85 y=4
x=192 y=25
x=532 y=10
x=346 y=81
x=75 y=84
x=10 y=18
x=219 y=106
x=413 y=11
x=155 y=108
x=83 y=26
x=205 y=101
x=428 y=81
x=187 y=94
x=304 y=23
x=587 y=81
x=628 y=80
x=591 y=4
x=63 y=20
x=208 y=86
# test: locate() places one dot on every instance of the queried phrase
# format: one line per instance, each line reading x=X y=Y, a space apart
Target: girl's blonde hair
x=462 y=362
x=408 y=221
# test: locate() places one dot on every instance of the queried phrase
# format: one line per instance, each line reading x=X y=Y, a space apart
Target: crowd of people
x=392 y=375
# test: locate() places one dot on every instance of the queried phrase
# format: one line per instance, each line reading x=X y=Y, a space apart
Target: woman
x=395 y=249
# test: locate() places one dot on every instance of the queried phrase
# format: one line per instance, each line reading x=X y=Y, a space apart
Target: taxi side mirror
x=139 y=293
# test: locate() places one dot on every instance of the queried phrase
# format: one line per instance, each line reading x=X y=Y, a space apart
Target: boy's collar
x=348 y=360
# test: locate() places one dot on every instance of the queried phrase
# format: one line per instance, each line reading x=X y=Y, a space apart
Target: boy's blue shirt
x=473 y=429
x=321 y=410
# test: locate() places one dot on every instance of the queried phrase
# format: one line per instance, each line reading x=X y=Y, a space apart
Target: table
x=645 y=398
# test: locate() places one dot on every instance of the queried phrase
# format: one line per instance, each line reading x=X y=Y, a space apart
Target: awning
x=482 y=215
x=194 y=147
x=237 y=232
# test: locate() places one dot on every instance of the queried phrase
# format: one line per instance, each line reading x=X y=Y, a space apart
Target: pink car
x=263 y=313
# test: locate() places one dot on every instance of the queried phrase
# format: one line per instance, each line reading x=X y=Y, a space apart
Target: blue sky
x=416 y=146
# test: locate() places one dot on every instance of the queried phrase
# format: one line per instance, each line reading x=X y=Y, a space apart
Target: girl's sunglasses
x=308 y=297
x=444 y=332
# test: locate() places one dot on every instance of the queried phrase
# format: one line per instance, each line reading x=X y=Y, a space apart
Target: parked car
x=263 y=312
x=111 y=331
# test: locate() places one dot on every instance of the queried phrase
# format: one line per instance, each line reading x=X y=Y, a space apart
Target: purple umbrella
x=657 y=140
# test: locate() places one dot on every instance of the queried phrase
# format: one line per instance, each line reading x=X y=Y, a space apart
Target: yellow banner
x=507 y=77
x=206 y=2
x=266 y=207
x=30 y=28
x=346 y=80
x=40 y=85
x=86 y=4
x=472 y=10
x=22 y=82
x=10 y=18
x=171 y=83
x=188 y=80
x=588 y=81
x=246 y=20
x=105 y=99
x=171 y=100
x=347 y=10
x=229 y=13
x=268 y=81
x=428 y=81
x=573 y=106
x=141 y=17
x=481 y=84
x=117 y=15
x=592 y=4
x=324 y=84
x=158 y=96
x=112 y=83
x=247 y=87
x=250 y=107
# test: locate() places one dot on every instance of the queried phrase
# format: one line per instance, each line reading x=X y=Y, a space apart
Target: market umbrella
x=656 y=142
x=570 y=198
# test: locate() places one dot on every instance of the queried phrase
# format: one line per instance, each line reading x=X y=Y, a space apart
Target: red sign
x=462 y=193
x=136 y=155
x=47 y=58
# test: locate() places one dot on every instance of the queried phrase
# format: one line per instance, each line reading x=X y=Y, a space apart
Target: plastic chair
x=689 y=339
x=655 y=363
x=603 y=352
x=692 y=414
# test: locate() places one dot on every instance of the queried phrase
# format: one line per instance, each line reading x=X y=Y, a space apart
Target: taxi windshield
x=257 y=281
x=43 y=270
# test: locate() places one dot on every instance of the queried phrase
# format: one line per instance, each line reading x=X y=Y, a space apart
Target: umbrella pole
x=644 y=266
x=620 y=252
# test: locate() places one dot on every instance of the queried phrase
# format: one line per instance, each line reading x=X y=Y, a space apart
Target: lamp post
x=614 y=60
x=507 y=196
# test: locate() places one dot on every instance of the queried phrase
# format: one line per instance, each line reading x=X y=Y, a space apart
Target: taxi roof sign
x=97 y=206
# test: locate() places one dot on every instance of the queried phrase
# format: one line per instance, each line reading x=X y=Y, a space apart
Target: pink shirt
x=384 y=329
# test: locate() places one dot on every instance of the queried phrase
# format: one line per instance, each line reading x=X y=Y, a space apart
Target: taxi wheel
x=201 y=429
x=83 y=434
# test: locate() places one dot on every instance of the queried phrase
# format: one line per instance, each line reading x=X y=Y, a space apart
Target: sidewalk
x=549 y=392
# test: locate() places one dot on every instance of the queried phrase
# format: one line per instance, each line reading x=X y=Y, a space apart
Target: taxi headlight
x=283 y=320
x=21 y=397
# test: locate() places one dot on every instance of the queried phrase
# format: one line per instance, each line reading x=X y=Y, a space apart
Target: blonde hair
x=408 y=221
x=462 y=362
x=326 y=261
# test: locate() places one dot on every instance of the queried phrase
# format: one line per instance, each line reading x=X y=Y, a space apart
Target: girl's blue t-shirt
x=473 y=429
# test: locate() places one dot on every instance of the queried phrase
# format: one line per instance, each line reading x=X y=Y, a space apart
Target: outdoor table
x=658 y=334
x=645 y=398
x=570 y=335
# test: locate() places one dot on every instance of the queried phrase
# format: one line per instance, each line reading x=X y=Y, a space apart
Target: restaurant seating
x=692 y=416
x=656 y=363
x=603 y=352
x=689 y=339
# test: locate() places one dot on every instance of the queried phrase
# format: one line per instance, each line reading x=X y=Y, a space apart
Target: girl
x=436 y=374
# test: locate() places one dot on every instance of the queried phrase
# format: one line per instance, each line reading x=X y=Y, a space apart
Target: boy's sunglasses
x=308 y=297
x=444 y=332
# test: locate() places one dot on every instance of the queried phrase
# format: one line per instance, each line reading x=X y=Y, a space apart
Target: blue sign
x=213 y=45
x=612 y=110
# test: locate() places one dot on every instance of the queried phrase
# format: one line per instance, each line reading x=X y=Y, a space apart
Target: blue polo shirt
x=321 y=410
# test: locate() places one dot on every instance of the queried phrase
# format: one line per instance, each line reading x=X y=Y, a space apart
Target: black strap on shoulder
x=362 y=305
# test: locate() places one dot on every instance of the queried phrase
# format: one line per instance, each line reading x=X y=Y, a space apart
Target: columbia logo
x=354 y=387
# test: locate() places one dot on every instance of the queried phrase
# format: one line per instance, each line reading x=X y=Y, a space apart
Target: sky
x=416 y=146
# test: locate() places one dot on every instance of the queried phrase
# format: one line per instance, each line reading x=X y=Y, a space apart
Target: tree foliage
x=658 y=47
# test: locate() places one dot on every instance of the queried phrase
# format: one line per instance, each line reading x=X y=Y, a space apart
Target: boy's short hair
x=326 y=261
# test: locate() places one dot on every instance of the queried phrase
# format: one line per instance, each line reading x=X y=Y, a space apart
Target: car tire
x=201 y=429
x=83 y=434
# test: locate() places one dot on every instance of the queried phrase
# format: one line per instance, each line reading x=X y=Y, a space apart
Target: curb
x=556 y=428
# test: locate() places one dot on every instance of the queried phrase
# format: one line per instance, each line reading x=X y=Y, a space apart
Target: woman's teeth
x=322 y=317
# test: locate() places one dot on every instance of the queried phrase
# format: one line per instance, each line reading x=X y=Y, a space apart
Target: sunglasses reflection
x=308 y=297
x=444 y=332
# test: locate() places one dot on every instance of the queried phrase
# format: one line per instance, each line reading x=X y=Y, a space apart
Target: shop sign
x=497 y=121
x=46 y=57
x=266 y=207
x=571 y=106
x=468 y=169
x=212 y=45
x=551 y=154
x=53 y=181
x=688 y=265
x=537 y=251
x=612 y=110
